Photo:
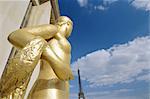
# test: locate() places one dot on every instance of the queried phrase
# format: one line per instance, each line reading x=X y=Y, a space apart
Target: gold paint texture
x=20 y=67
x=49 y=45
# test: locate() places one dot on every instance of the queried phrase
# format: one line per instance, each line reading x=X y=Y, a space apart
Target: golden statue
x=47 y=44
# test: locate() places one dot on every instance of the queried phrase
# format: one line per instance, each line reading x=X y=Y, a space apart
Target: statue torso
x=48 y=86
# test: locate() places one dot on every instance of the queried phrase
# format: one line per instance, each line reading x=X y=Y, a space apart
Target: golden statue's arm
x=19 y=69
x=21 y=37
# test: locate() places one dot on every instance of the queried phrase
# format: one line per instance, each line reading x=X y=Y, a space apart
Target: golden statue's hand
x=21 y=37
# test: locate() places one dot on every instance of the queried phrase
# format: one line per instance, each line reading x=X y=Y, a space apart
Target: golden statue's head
x=65 y=25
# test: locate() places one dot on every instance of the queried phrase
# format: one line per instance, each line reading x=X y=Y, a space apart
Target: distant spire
x=81 y=94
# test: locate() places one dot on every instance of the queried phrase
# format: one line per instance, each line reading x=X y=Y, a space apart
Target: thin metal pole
x=79 y=80
x=81 y=94
x=55 y=10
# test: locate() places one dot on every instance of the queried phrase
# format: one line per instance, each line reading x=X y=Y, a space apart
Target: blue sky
x=110 y=44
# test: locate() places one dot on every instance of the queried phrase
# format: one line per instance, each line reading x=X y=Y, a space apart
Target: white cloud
x=73 y=96
x=108 y=2
x=105 y=5
x=111 y=94
x=142 y=4
x=144 y=77
x=82 y=3
x=139 y=4
x=118 y=64
x=72 y=86
x=100 y=7
x=97 y=95
x=86 y=3
x=105 y=93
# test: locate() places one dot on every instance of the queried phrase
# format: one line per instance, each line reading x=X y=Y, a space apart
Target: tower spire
x=81 y=94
